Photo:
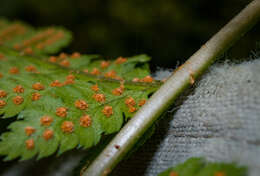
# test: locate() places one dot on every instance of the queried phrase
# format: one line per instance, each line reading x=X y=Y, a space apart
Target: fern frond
x=60 y=109
x=28 y=40
x=199 y=167
x=132 y=69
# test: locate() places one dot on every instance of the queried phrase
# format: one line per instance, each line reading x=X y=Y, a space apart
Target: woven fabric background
x=218 y=120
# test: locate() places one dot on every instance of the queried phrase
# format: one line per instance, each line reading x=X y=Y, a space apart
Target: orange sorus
x=69 y=81
x=65 y=63
x=30 y=68
x=85 y=70
x=14 y=70
x=147 y=79
x=75 y=55
x=17 y=46
x=1 y=75
x=104 y=64
x=46 y=120
x=107 y=111
x=136 y=80
x=47 y=134
x=117 y=91
x=99 y=97
x=2 y=56
x=120 y=60
x=67 y=127
x=2 y=103
x=18 y=100
x=131 y=109
x=53 y=59
x=85 y=121
x=141 y=102
x=172 y=173
x=95 y=71
x=36 y=96
x=29 y=130
x=29 y=144
x=219 y=174
x=28 y=51
x=81 y=104
x=18 y=89
x=2 y=94
x=130 y=101
x=61 y=111
x=56 y=83
x=63 y=55
x=110 y=74
x=95 y=88
x=38 y=86
x=70 y=77
x=40 y=45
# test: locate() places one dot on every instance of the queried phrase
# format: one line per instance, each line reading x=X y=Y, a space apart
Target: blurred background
x=168 y=30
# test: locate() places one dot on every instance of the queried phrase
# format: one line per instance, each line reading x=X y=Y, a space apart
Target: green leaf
x=30 y=136
x=120 y=69
x=200 y=167
x=28 y=40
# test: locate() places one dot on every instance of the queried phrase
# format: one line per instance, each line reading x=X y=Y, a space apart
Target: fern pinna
x=65 y=101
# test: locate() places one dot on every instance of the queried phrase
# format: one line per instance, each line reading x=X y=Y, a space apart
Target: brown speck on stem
x=106 y=172
x=18 y=100
x=117 y=147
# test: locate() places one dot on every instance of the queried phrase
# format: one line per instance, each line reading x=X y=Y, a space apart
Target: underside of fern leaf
x=59 y=109
x=29 y=40
x=200 y=167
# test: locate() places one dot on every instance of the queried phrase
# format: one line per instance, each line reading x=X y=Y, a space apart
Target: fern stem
x=176 y=84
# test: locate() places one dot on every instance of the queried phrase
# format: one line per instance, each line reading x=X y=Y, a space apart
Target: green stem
x=176 y=84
